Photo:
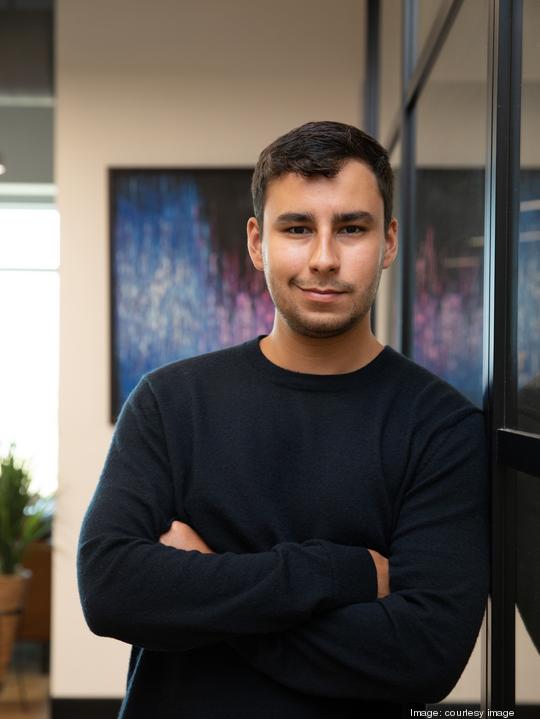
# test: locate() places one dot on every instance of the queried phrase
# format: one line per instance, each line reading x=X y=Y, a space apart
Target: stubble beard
x=326 y=324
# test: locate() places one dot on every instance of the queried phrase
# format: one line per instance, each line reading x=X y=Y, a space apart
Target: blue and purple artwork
x=448 y=283
x=448 y=311
x=528 y=280
x=181 y=278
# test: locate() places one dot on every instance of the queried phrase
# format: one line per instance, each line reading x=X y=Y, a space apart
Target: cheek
x=361 y=261
x=285 y=260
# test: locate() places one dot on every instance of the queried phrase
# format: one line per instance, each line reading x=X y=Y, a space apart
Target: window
x=29 y=356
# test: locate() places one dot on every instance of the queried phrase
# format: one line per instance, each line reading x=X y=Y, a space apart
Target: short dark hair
x=321 y=148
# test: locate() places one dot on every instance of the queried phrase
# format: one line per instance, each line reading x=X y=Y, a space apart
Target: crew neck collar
x=302 y=380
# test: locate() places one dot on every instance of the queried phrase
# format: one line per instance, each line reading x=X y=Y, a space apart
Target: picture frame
x=181 y=280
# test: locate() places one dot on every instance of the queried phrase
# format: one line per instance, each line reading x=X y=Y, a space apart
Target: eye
x=297 y=230
x=353 y=229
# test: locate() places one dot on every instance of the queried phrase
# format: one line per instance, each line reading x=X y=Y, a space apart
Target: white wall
x=160 y=83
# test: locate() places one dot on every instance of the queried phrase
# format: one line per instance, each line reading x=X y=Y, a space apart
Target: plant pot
x=12 y=593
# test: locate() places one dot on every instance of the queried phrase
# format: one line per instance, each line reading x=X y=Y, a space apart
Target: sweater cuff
x=355 y=574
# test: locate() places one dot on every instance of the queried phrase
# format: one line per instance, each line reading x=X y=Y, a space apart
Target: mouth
x=321 y=294
x=319 y=291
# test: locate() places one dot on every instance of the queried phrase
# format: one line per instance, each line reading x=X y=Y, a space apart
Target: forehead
x=353 y=188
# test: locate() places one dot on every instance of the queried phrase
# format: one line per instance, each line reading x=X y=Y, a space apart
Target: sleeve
x=413 y=644
x=134 y=589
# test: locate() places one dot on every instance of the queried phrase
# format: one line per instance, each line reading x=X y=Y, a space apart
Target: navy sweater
x=289 y=478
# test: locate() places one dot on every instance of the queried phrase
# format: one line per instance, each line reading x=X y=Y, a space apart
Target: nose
x=324 y=255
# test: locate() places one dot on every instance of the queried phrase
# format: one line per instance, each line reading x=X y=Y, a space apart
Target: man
x=295 y=527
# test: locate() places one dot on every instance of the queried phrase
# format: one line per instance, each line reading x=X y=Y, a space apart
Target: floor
x=26 y=689
x=25 y=696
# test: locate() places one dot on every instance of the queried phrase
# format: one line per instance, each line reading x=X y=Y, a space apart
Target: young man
x=328 y=556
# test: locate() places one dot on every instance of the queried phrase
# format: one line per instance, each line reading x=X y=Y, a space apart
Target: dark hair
x=321 y=148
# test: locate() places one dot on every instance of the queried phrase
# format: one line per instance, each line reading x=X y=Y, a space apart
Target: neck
x=343 y=353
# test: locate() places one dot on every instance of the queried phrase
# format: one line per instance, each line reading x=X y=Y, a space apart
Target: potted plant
x=24 y=517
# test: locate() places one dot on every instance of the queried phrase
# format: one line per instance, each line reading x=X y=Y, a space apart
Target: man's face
x=323 y=248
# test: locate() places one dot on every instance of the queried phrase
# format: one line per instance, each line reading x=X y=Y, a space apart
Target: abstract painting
x=448 y=286
x=528 y=282
x=448 y=294
x=182 y=282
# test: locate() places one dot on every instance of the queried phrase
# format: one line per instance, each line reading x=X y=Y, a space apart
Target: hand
x=383 y=573
x=181 y=536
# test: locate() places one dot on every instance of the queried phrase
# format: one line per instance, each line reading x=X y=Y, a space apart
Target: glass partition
x=527 y=589
x=390 y=67
x=427 y=12
x=449 y=209
x=528 y=339
x=388 y=316
x=528 y=369
x=436 y=303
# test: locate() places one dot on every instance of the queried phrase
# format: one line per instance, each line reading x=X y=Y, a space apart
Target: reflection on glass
x=528 y=553
x=529 y=224
x=528 y=558
x=449 y=223
x=529 y=280
x=528 y=395
x=387 y=311
x=528 y=520
x=528 y=587
x=449 y=259
x=395 y=161
x=390 y=65
x=427 y=12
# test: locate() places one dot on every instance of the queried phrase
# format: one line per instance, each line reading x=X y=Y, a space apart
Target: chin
x=323 y=328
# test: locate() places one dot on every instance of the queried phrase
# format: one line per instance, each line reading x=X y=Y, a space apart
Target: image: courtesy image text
x=478 y=713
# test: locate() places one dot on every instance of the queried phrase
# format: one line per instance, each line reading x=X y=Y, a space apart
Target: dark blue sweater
x=289 y=478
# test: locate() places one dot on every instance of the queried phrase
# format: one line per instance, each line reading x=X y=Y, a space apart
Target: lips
x=321 y=294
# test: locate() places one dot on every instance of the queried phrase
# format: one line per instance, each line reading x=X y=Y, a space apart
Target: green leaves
x=23 y=515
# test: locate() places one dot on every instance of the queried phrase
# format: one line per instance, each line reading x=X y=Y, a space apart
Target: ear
x=254 y=243
x=390 y=243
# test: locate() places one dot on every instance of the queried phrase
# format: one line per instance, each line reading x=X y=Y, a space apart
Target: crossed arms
x=306 y=614
x=181 y=536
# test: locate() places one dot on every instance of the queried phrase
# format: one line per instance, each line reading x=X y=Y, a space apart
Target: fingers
x=383 y=573
x=174 y=536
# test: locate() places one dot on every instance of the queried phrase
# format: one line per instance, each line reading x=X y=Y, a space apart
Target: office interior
x=450 y=87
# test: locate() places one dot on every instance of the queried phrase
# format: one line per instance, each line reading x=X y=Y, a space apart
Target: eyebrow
x=337 y=217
